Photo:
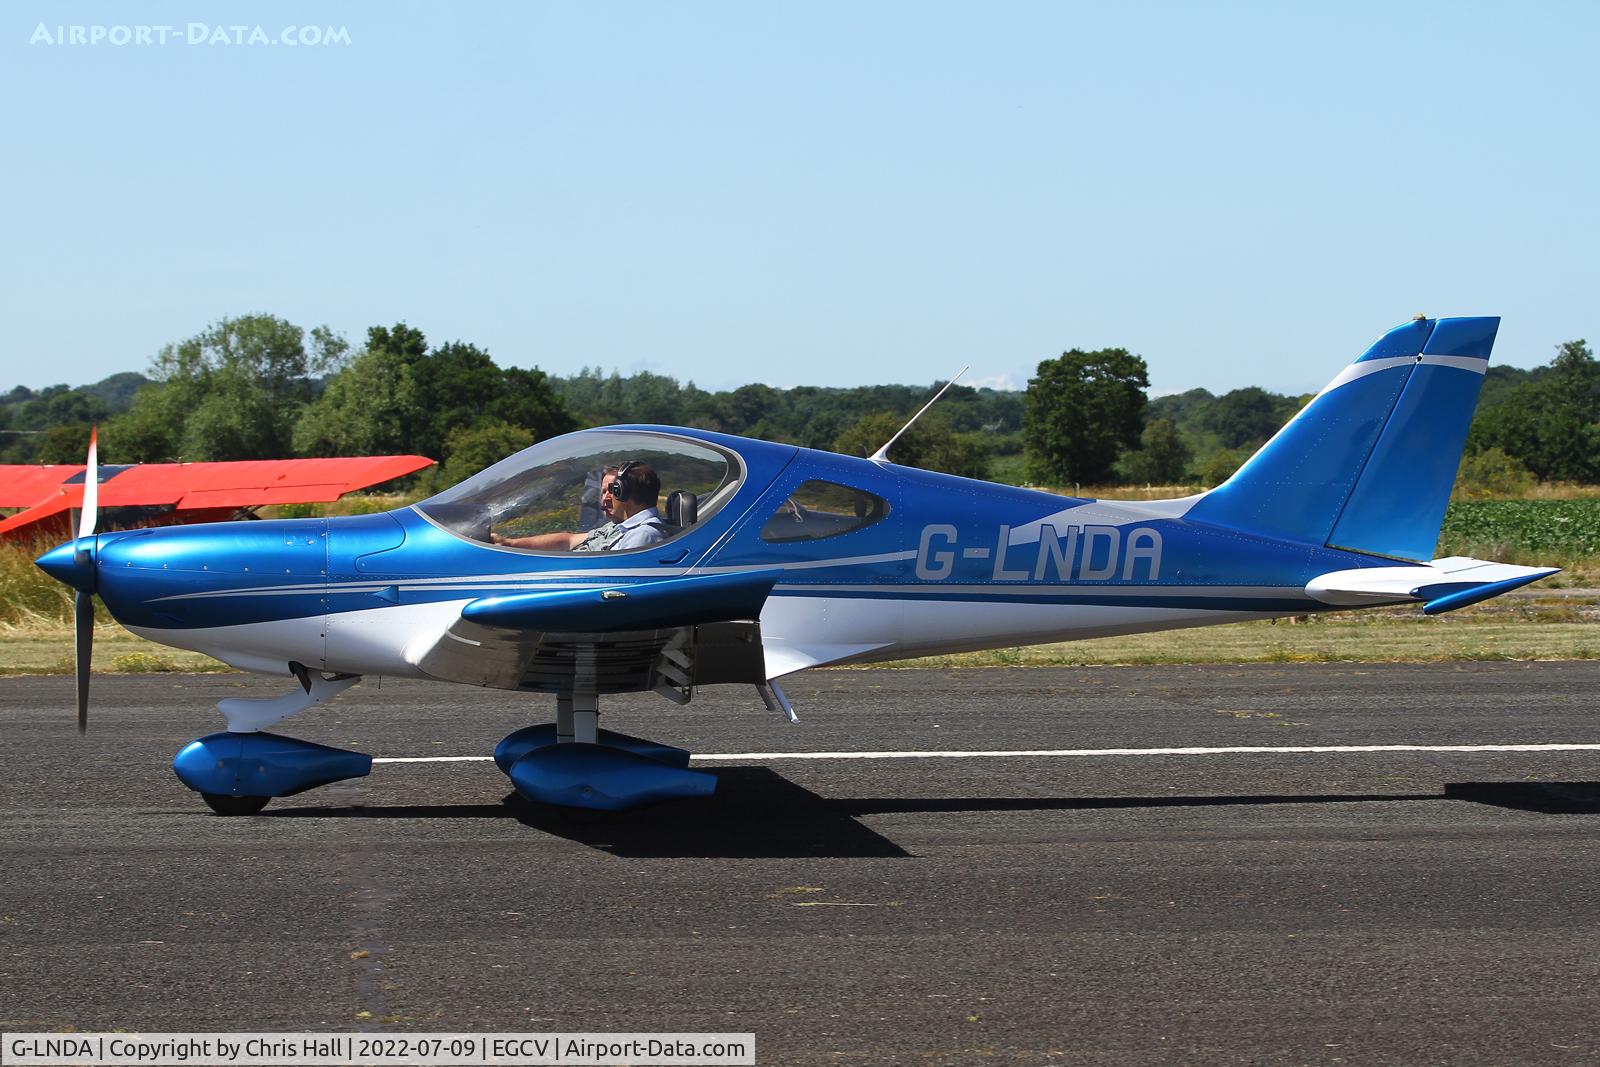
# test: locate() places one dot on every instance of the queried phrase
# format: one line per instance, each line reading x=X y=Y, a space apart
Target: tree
x=68 y=443
x=1491 y=473
x=77 y=406
x=1083 y=410
x=368 y=409
x=525 y=398
x=1499 y=381
x=931 y=444
x=233 y=391
x=397 y=396
x=1247 y=416
x=1219 y=467
x=456 y=383
x=459 y=386
x=1162 y=457
x=404 y=342
x=1550 y=423
x=117 y=391
x=1182 y=408
x=748 y=406
x=823 y=427
x=472 y=448
x=148 y=431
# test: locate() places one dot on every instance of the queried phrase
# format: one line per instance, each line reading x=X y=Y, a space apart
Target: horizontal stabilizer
x=1443 y=585
x=673 y=602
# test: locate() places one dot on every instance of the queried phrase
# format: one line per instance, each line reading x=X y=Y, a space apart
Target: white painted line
x=430 y=759
x=1034 y=753
x=1223 y=751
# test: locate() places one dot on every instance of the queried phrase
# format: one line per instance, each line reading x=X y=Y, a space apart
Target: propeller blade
x=83 y=636
x=91 y=488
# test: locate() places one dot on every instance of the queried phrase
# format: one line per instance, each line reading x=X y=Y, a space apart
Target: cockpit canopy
x=555 y=486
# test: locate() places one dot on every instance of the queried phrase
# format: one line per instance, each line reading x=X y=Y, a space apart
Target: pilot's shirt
x=644 y=528
x=600 y=539
x=641 y=529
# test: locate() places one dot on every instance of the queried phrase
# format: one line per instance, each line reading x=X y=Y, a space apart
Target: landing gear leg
x=238 y=770
x=564 y=720
x=585 y=718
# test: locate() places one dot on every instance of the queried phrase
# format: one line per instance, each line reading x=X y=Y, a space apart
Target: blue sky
x=806 y=193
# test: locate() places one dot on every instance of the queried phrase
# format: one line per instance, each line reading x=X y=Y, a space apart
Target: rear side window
x=823 y=509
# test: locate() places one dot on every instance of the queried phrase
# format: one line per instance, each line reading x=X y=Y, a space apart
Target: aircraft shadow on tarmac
x=1547 y=798
x=757 y=813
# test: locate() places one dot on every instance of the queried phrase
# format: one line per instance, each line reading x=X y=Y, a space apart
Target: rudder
x=1368 y=465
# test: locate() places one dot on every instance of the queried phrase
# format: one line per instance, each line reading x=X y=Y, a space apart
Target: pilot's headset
x=622 y=486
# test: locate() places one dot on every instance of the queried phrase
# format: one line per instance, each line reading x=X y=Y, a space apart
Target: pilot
x=628 y=496
x=634 y=491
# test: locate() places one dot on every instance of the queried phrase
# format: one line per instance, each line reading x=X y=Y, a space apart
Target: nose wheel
x=227 y=804
x=237 y=773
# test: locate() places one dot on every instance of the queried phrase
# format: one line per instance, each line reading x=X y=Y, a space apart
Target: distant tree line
x=258 y=386
x=1546 y=420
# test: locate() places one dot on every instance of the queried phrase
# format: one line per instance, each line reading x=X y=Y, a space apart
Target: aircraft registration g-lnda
x=1087 y=553
x=767 y=559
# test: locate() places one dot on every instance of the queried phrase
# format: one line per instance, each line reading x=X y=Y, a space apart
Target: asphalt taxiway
x=1432 y=905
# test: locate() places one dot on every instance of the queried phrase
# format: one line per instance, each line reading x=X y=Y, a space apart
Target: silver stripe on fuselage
x=999 y=590
x=920 y=591
x=539 y=580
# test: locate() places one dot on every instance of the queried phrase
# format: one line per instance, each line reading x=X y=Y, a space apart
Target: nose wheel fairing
x=238 y=769
x=230 y=764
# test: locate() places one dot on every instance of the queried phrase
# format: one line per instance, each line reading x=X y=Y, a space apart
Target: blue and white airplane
x=775 y=559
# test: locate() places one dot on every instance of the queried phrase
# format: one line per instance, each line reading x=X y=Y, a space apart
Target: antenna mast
x=882 y=454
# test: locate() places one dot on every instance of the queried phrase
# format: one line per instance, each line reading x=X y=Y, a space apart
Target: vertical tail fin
x=1368 y=465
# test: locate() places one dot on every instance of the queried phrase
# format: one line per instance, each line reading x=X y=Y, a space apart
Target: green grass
x=1523 y=626
x=115 y=651
x=1392 y=641
x=1555 y=532
x=28 y=596
x=1533 y=624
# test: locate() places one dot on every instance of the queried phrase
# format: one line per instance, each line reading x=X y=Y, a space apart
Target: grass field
x=116 y=651
x=1523 y=531
x=1522 y=626
x=1361 y=638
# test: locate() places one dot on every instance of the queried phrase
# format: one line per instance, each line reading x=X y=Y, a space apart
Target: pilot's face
x=608 y=503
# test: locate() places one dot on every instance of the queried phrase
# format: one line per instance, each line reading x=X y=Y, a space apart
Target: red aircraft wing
x=50 y=490
x=24 y=486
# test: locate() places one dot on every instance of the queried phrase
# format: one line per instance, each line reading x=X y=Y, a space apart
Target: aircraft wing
x=46 y=490
x=23 y=485
x=1443 y=585
x=664 y=636
x=20 y=522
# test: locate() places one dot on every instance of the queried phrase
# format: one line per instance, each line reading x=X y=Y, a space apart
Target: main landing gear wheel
x=226 y=804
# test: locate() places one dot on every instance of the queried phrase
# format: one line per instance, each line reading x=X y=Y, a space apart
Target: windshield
x=603 y=490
